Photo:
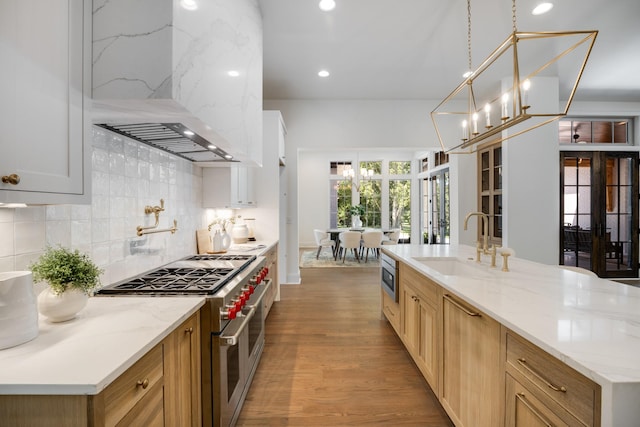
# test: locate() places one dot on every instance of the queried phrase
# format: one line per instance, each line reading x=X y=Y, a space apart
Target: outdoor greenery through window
x=400 y=198
x=340 y=198
x=371 y=195
x=368 y=188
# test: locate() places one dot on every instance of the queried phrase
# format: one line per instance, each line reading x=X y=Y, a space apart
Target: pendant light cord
x=513 y=16
x=469 y=32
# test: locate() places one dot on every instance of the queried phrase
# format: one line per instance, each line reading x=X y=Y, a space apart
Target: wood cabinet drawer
x=564 y=385
x=391 y=310
x=420 y=283
x=129 y=388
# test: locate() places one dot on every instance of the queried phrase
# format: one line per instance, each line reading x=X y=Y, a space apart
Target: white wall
x=126 y=176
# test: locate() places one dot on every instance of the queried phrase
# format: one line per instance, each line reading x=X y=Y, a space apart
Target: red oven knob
x=238 y=304
x=266 y=271
x=231 y=312
x=252 y=289
x=258 y=279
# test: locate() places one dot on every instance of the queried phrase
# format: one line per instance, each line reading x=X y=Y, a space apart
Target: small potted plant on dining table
x=71 y=277
x=356 y=212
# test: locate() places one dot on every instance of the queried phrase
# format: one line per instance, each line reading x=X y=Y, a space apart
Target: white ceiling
x=417 y=49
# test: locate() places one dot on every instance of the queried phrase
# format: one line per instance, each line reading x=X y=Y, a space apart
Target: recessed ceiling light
x=212 y=147
x=188 y=133
x=189 y=4
x=233 y=73
x=228 y=156
x=541 y=8
x=323 y=73
x=327 y=5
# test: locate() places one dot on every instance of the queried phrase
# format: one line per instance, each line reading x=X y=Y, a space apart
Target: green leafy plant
x=64 y=269
x=356 y=210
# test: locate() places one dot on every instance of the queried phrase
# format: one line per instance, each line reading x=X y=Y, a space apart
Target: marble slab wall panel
x=158 y=50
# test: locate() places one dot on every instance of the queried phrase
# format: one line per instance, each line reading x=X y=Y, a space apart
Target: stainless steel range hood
x=174 y=138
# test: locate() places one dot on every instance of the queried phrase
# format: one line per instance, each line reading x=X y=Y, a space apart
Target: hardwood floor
x=330 y=360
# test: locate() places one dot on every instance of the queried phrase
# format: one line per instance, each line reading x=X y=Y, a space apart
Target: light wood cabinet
x=272 y=264
x=161 y=389
x=45 y=86
x=182 y=405
x=472 y=369
x=541 y=389
x=391 y=311
x=228 y=187
x=420 y=321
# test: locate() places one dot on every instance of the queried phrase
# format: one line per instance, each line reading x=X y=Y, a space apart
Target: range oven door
x=236 y=354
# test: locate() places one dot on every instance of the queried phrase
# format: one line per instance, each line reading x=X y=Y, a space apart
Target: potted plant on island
x=356 y=211
x=71 y=277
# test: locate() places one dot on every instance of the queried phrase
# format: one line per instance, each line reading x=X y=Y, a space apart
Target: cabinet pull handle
x=461 y=307
x=523 y=362
x=526 y=403
x=188 y=330
x=143 y=383
x=12 y=179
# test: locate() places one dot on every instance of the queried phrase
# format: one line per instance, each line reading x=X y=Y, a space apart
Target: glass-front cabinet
x=490 y=181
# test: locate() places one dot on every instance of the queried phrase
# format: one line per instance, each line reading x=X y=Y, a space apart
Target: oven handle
x=263 y=289
x=229 y=340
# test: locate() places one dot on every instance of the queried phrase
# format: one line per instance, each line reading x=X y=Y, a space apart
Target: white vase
x=355 y=221
x=62 y=307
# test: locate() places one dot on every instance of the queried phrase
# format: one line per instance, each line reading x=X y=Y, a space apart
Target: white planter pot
x=355 y=221
x=63 y=307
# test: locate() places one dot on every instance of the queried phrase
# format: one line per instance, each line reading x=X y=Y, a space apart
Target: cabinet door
x=420 y=332
x=182 y=375
x=44 y=81
x=242 y=186
x=471 y=387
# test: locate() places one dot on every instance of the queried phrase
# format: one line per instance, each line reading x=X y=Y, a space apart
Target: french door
x=599 y=212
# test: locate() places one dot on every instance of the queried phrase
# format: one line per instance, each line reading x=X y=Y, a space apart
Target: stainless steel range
x=232 y=321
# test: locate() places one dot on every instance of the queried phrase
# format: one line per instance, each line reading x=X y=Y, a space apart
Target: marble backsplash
x=126 y=176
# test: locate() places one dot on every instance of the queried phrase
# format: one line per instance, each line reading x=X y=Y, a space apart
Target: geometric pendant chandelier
x=508 y=94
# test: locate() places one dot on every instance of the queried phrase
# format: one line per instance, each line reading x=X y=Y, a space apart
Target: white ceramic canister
x=18 y=309
x=240 y=233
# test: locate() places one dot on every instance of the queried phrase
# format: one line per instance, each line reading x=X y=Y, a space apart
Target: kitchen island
x=588 y=324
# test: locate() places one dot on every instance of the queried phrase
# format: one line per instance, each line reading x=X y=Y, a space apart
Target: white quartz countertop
x=258 y=248
x=84 y=355
x=591 y=324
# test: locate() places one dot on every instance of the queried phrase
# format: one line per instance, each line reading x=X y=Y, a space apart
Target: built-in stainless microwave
x=388 y=276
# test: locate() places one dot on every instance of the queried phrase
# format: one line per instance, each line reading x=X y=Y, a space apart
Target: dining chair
x=392 y=237
x=371 y=240
x=323 y=240
x=350 y=240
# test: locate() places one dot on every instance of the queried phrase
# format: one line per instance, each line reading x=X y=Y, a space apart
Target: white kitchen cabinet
x=228 y=187
x=45 y=86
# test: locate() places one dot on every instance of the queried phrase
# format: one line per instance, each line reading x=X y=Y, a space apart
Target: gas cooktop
x=198 y=274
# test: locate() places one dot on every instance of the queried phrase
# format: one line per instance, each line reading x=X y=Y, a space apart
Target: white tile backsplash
x=126 y=176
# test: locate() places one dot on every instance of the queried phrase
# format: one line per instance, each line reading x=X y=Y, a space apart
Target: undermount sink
x=452 y=266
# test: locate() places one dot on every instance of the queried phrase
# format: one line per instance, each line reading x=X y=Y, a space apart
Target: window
x=490 y=170
x=400 y=198
x=594 y=131
x=340 y=196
